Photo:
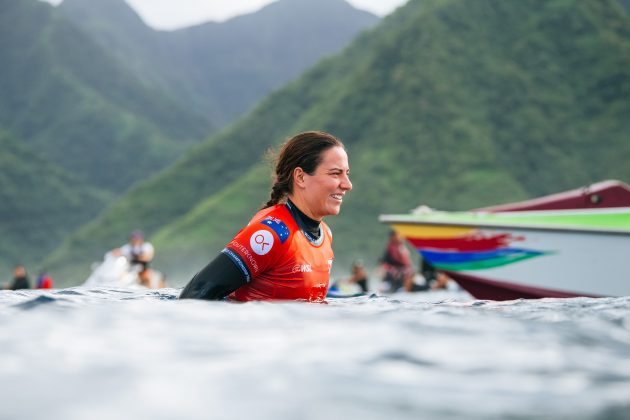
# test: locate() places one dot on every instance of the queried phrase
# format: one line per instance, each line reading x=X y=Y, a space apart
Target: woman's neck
x=310 y=225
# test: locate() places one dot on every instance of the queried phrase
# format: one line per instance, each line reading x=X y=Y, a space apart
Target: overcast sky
x=173 y=14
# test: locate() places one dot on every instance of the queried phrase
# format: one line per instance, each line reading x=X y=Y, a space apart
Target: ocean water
x=108 y=353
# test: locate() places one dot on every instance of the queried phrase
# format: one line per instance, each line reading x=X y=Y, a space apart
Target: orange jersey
x=279 y=260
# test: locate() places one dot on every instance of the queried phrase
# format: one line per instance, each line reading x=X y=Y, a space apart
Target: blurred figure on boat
x=140 y=253
x=20 y=279
x=355 y=285
x=359 y=275
x=434 y=279
x=396 y=264
x=44 y=281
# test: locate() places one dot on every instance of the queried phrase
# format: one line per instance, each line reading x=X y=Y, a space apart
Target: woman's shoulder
x=277 y=218
x=278 y=212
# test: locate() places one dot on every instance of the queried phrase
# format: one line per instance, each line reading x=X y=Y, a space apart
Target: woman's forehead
x=335 y=157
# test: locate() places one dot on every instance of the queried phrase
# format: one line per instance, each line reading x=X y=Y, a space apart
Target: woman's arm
x=215 y=281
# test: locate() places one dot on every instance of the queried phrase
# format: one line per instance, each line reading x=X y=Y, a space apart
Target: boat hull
x=527 y=261
x=482 y=288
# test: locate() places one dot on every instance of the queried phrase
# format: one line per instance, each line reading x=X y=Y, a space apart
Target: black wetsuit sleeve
x=215 y=281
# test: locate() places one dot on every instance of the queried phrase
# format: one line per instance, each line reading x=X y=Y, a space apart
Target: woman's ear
x=298 y=177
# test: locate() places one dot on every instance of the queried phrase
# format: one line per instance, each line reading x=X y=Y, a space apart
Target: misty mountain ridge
x=222 y=69
x=69 y=99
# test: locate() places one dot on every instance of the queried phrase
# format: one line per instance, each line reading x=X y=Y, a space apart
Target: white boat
x=519 y=251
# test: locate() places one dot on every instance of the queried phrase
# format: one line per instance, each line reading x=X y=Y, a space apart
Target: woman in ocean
x=285 y=251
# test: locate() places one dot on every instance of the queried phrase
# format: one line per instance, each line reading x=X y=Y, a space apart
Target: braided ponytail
x=278 y=192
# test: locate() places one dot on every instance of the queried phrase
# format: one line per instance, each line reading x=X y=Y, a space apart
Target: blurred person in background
x=359 y=275
x=139 y=253
x=396 y=264
x=44 y=281
x=20 y=279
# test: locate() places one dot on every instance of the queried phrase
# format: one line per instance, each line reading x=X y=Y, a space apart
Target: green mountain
x=107 y=101
x=39 y=204
x=222 y=69
x=69 y=99
x=450 y=103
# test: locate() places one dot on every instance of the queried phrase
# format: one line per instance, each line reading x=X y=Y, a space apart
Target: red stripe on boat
x=465 y=243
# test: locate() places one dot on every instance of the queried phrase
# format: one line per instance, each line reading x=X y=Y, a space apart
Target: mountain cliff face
x=449 y=103
x=222 y=69
x=39 y=203
x=77 y=129
x=77 y=106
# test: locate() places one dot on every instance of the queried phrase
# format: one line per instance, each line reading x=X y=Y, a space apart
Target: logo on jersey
x=302 y=268
x=261 y=242
x=278 y=226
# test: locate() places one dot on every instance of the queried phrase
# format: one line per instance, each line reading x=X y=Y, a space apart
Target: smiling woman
x=285 y=251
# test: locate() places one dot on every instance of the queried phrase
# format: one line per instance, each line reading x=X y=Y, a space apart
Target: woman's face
x=325 y=188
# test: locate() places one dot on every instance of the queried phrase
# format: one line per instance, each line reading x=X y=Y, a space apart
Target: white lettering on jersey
x=261 y=242
x=247 y=254
x=302 y=268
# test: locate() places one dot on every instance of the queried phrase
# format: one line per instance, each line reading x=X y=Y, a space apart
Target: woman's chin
x=334 y=210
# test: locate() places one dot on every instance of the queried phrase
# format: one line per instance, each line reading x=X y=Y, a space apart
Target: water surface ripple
x=117 y=353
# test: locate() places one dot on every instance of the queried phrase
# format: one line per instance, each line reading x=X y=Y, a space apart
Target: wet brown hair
x=304 y=151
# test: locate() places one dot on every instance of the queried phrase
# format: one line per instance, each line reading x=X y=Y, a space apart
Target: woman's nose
x=346 y=184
